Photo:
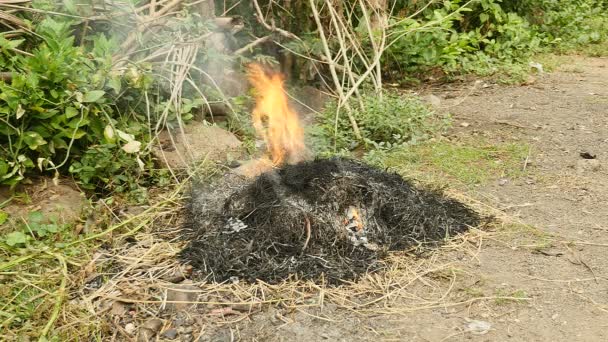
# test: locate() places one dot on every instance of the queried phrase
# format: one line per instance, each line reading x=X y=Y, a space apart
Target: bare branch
x=251 y=45
x=260 y=17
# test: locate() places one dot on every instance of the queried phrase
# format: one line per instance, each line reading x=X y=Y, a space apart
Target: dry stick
x=251 y=45
x=334 y=75
x=377 y=49
x=353 y=42
x=261 y=20
x=344 y=50
x=527 y=158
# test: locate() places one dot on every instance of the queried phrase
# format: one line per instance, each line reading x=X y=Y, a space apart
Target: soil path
x=560 y=274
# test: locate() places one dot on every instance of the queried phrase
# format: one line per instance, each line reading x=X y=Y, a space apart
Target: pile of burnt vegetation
x=332 y=218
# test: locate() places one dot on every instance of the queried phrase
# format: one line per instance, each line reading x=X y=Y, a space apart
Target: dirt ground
x=543 y=276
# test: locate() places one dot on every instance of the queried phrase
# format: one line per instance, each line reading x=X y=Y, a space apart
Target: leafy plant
x=385 y=121
x=35 y=228
x=66 y=108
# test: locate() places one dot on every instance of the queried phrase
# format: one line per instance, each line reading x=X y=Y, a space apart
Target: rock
x=182 y=293
x=178 y=274
x=145 y=335
x=465 y=124
x=119 y=308
x=153 y=324
x=130 y=328
x=432 y=100
x=588 y=165
x=200 y=141
x=61 y=202
x=478 y=327
x=149 y=330
x=253 y=168
x=308 y=102
x=234 y=84
x=170 y=334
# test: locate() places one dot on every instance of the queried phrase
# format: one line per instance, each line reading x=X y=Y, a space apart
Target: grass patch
x=445 y=162
x=504 y=297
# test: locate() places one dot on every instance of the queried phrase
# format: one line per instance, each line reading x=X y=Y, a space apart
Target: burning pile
x=332 y=218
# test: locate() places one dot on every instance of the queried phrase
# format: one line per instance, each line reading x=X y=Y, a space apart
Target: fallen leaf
x=132 y=146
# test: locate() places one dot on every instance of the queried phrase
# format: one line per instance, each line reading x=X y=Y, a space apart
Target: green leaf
x=3 y=217
x=35 y=216
x=33 y=140
x=3 y=168
x=13 y=43
x=115 y=83
x=108 y=134
x=15 y=238
x=483 y=17
x=93 y=96
x=70 y=7
x=71 y=112
x=20 y=111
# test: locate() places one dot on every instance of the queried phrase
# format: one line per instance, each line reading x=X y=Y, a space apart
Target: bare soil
x=543 y=276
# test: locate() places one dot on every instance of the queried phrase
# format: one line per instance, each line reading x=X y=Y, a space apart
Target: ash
x=330 y=219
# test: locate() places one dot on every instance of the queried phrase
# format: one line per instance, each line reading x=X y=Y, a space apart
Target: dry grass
x=136 y=274
x=130 y=269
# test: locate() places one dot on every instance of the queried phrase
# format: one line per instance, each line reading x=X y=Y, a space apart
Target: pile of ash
x=331 y=218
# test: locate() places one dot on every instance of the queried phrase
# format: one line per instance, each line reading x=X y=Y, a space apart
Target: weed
x=513 y=296
x=385 y=122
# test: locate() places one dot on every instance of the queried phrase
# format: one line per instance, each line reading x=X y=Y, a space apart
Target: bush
x=385 y=122
x=489 y=35
x=66 y=109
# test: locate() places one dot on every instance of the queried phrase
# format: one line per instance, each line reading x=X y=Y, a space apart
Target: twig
x=260 y=17
x=334 y=75
x=251 y=45
x=502 y=122
x=307 y=232
x=527 y=158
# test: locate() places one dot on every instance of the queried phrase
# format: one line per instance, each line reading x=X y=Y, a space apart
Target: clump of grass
x=441 y=162
x=389 y=121
x=504 y=297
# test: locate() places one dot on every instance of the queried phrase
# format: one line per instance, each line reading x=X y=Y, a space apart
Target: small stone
x=503 y=181
x=153 y=324
x=145 y=335
x=119 y=308
x=130 y=328
x=182 y=293
x=465 y=124
x=478 y=327
x=433 y=100
x=170 y=334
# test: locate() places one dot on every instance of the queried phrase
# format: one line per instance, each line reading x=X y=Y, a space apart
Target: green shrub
x=385 y=122
x=66 y=109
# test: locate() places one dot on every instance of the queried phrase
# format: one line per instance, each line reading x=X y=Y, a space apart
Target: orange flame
x=273 y=120
x=353 y=217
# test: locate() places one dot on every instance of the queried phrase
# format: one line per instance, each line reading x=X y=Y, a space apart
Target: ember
x=334 y=219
